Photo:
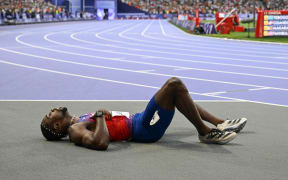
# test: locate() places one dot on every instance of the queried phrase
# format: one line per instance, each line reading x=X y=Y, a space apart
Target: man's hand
x=107 y=114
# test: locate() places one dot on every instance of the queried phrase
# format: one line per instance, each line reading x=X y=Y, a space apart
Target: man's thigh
x=151 y=124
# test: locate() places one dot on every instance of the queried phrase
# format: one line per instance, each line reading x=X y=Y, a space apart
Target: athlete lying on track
x=96 y=130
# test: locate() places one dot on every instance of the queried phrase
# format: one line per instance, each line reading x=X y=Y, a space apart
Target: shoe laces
x=215 y=132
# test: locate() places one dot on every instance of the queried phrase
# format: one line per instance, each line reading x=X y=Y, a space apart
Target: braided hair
x=50 y=133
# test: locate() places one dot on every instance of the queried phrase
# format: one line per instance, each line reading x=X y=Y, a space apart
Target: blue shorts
x=143 y=129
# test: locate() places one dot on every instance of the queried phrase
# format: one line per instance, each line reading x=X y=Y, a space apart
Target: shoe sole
x=219 y=142
x=226 y=141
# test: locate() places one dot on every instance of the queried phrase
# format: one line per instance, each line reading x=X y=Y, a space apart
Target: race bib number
x=120 y=113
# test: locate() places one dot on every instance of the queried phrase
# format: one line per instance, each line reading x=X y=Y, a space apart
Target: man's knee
x=175 y=85
x=174 y=82
x=171 y=87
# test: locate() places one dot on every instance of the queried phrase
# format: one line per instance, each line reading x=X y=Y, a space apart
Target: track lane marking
x=143 y=56
x=182 y=54
x=127 y=83
x=100 y=79
x=133 y=71
x=164 y=46
x=128 y=70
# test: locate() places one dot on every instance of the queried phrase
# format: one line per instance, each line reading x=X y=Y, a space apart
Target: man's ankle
x=204 y=131
x=219 y=122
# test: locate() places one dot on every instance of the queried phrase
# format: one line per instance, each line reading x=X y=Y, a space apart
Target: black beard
x=63 y=110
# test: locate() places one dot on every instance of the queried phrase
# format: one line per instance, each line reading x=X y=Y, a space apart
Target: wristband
x=99 y=114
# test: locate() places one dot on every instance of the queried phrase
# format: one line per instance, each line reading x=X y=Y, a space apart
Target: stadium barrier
x=204 y=28
x=144 y=16
x=132 y=16
x=213 y=16
x=47 y=18
x=189 y=25
x=208 y=28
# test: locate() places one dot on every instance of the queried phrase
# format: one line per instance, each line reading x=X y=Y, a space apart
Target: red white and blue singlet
x=147 y=126
x=119 y=126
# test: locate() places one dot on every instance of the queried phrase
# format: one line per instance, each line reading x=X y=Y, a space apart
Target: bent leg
x=151 y=124
x=209 y=117
x=175 y=94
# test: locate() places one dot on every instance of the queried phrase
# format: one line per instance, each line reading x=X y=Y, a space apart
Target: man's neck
x=73 y=120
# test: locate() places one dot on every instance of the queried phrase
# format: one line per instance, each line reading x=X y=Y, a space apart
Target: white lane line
x=164 y=52
x=180 y=69
x=78 y=75
x=172 y=75
x=116 y=100
x=146 y=28
x=162 y=29
x=153 y=64
x=202 y=79
x=257 y=89
x=127 y=83
x=133 y=71
x=148 y=70
x=178 y=59
x=60 y=51
x=220 y=51
x=181 y=54
x=167 y=45
x=216 y=93
x=281 y=57
x=205 y=62
x=101 y=79
x=146 y=63
x=243 y=90
x=266 y=103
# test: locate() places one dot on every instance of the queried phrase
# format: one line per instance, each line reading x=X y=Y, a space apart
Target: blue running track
x=130 y=60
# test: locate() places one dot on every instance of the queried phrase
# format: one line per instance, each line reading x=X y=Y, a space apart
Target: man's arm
x=98 y=140
x=107 y=114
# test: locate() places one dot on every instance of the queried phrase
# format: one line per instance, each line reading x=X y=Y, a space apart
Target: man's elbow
x=94 y=142
x=102 y=143
x=102 y=146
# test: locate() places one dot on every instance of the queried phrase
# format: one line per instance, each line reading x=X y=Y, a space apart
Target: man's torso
x=119 y=126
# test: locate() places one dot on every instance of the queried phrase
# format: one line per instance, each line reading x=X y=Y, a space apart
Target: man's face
x=57 y=116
